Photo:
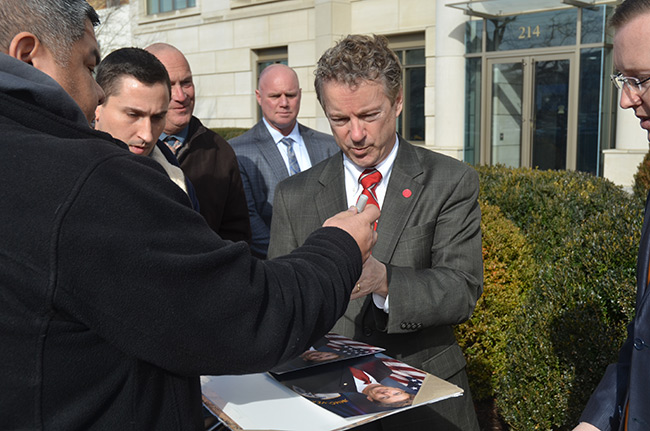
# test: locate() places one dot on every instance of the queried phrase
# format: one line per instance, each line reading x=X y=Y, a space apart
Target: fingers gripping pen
x=361 y=203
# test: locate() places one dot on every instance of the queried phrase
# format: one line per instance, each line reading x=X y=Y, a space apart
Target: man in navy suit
x=265 y=156
x=621 y=401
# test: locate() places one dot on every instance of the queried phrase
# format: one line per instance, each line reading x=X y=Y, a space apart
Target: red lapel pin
x=407 y=193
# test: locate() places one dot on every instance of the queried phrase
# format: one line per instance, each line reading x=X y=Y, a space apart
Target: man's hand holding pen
x=359 y=225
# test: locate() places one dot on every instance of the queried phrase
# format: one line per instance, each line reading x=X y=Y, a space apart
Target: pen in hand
x=361 y=203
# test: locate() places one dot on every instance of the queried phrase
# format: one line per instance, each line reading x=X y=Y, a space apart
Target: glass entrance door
x=551 y=100
x=507 y=113
x=527 y=113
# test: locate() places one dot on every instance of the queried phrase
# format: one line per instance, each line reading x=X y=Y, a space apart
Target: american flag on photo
x=404 y=374
x=350 y=347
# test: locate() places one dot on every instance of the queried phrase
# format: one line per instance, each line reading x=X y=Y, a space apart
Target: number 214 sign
x=528 y=32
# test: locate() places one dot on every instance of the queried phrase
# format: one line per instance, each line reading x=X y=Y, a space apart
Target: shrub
x=642 y=178
x=507 y=266
x=568 y=311
x=228 y=133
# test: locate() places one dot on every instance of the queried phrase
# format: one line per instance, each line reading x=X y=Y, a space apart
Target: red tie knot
x=369 y=178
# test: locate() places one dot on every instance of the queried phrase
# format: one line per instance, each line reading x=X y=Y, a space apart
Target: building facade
x=516 y=82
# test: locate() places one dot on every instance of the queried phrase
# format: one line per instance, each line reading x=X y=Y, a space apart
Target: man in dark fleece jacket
x=114 y=294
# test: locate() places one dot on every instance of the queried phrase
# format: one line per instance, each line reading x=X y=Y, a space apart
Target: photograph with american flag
x=359 y=386
x=331 y=348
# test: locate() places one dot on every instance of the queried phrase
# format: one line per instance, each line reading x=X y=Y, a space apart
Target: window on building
x=410 y=50
x=103 y=4
x=267 y=57
x=161 y=6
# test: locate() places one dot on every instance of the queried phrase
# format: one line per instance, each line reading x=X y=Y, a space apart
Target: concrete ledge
x=619 y=166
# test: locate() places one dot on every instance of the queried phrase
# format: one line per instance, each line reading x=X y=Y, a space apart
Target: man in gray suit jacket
x=426 y=270
x=266 y=157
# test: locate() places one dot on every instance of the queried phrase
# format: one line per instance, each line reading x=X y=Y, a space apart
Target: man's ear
x=98 y=111
x=25 y=46
x=399 y=103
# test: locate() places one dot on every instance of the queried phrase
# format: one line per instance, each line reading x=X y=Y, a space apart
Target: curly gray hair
x=359 y=58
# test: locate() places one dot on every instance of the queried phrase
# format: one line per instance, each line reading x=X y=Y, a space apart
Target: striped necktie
x=173 y=143
x=369 y=180
x=294 y=167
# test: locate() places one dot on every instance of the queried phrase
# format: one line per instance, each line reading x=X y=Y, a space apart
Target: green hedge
x=507 y=267
x=560 y=256
x=229 y=132
x=642 y=178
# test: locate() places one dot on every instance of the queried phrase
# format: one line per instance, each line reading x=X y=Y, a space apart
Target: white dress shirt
x=299 y=147
x=353 y=190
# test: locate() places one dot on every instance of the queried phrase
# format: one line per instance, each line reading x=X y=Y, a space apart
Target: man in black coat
x=114 y=294
x=205 y=157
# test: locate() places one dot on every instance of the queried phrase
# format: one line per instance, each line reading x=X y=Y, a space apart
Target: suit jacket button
x=639 y=343
x=402 y=325
x=367 y=332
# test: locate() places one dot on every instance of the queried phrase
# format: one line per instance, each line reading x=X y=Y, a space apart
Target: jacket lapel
x=314 y=150
x=331 y=198
x=398 y=203
x=269 y=151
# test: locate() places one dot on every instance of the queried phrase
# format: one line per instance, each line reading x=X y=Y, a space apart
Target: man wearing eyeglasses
x=622 y=399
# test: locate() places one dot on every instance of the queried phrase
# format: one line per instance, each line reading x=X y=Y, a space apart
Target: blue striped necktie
x=294 y=167
x=173 y=143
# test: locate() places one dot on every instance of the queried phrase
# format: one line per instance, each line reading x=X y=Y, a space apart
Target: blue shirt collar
x=181 y=136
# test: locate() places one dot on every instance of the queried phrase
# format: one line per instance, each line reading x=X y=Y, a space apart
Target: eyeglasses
x=635 y=85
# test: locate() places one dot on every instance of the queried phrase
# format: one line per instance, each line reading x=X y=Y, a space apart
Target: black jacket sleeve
x=136 y=265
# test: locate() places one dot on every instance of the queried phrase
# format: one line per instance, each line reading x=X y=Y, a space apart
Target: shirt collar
x=277 y=136
x=181 y=136
x=385 y=167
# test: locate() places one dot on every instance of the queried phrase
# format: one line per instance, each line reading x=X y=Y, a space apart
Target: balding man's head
x=181 y=105
x=278 y=95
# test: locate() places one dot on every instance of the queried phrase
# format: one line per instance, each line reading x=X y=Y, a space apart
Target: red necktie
x=369 y=180
x=360 y=375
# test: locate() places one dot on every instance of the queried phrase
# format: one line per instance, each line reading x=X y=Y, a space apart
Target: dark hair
x=627 y=11
x=360 y=58
x=135 y=62
x=58 y=24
